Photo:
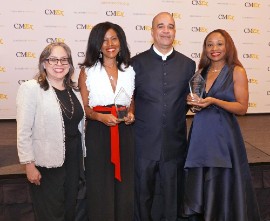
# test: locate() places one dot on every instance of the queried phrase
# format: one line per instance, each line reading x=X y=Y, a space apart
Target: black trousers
x=107 y=198
x=55 y=198
x=158 y=189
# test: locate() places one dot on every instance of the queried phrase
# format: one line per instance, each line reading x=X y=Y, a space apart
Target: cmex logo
x=3 y=96
x=226 y=17
x=252 y=5
x=176 y=15
x=54 y=12
x=2 y=69
x=54 y=40
x=199 y=29
x=115 y=13
x=23 y=26
x=195 y=55
x=143 y=28
x=251 y=31
x=176 y=42
x=251 y=104
x=251 y=56
x=253 y=81
x=81 y=54
x=26 y=54
x=200 y=3
x=84 y=26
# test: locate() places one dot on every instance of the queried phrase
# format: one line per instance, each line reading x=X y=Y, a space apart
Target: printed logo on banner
x=84 y=26
x=176 y=15
x=199 y=29
x=252 y=5
x=23 y=26
x=251 y=31
x=176 y=42
x=53 y=40
x=81 y=54
x=195 y=55
x=251 y=56
x=115 y=13
x=25 y=69
x=201 y=3
x=226 y=17
x=251 y=104
x=54 y=12
x=114 y=3
x=171 y=1
x=3 y=97
x=253 y=81
x=143 y=28
x=144 y=41
x=26 y=54
x=2 y=69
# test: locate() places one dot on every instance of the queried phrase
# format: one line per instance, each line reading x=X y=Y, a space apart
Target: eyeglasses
x=54 y=61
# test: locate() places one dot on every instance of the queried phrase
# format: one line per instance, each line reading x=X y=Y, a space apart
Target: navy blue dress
x=218 y=184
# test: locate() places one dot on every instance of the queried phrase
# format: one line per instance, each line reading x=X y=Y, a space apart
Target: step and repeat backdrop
x=27 y=26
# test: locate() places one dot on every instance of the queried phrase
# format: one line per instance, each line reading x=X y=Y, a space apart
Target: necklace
x=68 y=113
x=111 y=71
x=215 y=70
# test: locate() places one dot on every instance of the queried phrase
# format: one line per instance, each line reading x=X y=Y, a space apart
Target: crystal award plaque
x=122 y=103
x=196 y=87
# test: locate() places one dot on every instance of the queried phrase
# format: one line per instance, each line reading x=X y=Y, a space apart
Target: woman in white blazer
x=50 y=134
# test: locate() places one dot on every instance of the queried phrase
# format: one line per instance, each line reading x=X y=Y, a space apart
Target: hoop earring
x=100 y=54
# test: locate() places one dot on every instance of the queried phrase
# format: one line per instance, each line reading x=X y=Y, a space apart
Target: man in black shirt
x=161 y=88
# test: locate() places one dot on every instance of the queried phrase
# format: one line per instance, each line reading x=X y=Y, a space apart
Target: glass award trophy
x=196 y=87
x=122 y=103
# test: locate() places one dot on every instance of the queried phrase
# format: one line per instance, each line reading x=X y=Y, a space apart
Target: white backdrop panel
x=27 y=26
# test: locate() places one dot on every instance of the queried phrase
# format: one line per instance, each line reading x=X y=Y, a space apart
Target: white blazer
x=40 y=126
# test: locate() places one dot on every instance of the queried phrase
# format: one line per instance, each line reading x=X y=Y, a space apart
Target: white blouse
x=100 y=89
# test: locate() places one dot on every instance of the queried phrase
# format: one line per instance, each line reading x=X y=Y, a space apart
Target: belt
x=115 y=152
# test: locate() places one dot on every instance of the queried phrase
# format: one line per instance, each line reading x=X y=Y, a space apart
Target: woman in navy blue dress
x=218 y=183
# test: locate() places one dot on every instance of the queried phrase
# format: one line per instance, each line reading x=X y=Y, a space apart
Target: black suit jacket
x=161 y=88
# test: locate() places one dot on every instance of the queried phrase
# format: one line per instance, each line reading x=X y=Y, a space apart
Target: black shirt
x=68 y=101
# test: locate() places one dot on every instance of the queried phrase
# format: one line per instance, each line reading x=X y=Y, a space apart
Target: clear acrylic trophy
x=196 y=87
x=122 y=103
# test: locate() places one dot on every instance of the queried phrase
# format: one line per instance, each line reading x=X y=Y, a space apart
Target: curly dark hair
x=95 y=41
x=42 y=75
